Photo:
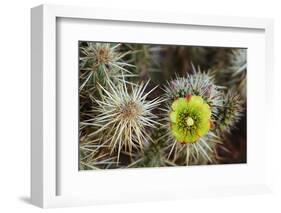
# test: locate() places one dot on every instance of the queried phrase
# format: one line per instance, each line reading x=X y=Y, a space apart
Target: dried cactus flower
x=230 y=113
x=124 y=117
x=101 y=62
x=190 y=119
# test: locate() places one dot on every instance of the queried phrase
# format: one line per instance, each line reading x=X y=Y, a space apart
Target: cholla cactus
x=230 y=113
x=197 y=108
x=154 y=152
x=124 y=116
x=190 y=121
x=238 y=61
x=198 y=83
x=101 y=62
x=94 y=155
x=233 y=73
x=121 y=121
x=238 y=69
x=152 y=156
x=189 y=135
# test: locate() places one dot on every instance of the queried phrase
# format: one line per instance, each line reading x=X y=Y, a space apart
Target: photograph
x=161 y=105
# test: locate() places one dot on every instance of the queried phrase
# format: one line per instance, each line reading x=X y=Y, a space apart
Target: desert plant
x=126 y=121
x=233 y=72
x=102 y=62
x=196 y=106
x=95 y=155
x=123 y=117
x=230 y=112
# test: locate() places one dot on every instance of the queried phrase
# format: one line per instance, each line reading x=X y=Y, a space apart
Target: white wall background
x=15 y=104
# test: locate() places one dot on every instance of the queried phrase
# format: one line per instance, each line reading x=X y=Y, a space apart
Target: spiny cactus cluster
x=100 y=62
x=148 y=106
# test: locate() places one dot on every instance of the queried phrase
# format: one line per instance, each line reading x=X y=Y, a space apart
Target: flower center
x=130 y=111
x=189 y=121
x=103 y=56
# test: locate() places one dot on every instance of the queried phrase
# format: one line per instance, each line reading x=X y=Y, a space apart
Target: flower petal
x=173 y=117
x=179 y=104
x=193 y=107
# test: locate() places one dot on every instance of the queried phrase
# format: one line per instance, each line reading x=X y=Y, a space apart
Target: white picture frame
x=49 y=173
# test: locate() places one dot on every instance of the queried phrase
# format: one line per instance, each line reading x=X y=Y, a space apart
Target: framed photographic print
x=130 y=106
